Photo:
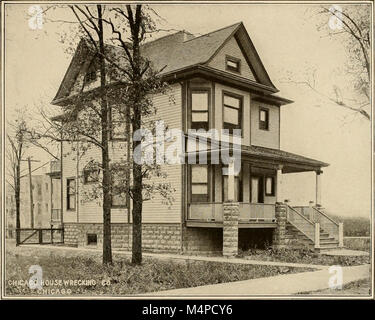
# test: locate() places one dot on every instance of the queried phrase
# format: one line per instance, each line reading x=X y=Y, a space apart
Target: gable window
x=232 y=108
x=263 y=119
x=270 y=186
x=232 y=64
x=91 y=73
x=71 y=194
x=118 y=195
x=199 y=183
x=199 y=109
x=90 y=176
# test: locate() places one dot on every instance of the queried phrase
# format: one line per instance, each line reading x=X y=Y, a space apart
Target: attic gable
x=231 y=51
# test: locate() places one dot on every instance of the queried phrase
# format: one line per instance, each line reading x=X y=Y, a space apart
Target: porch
x=256 y=186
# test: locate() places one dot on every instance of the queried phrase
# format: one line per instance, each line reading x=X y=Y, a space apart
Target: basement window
x=92 y=239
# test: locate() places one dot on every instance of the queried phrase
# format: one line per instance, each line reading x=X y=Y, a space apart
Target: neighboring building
x=46 y=200
x=217 y=81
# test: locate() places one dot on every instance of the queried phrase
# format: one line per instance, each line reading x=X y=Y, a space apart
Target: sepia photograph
x=179 y=150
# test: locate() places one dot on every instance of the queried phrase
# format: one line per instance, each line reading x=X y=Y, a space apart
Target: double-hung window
x=263 y=119
x=199 y=109
x=232 y=109
x=199 y=183
x=71 y=194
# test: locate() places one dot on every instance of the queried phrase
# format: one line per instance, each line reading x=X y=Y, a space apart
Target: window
x=90 y=74
x=92 y=239
x=90 y=176
x=118 y=195
x=199 y=183
x=199 y=110
x=71 y=194
x=118 y=125
x=270 y=186
x=46 y=186
x=232 y=106
x=232 y=64
x=263 y=119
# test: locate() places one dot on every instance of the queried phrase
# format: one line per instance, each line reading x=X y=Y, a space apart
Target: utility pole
x=31 y=191
x=31 y=195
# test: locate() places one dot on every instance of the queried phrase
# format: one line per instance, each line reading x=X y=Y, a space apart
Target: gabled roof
x=175 y=53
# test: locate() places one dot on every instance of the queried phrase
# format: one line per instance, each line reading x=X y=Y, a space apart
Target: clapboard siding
x=265 y=138
x=90 y=210
x=168 y=109
x=232 y=49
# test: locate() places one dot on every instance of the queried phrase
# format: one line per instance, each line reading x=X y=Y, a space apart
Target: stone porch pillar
x=278 y=240
x=318 y=200
x=231 y=214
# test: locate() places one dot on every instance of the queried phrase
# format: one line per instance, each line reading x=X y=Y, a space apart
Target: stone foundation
x=155 y=237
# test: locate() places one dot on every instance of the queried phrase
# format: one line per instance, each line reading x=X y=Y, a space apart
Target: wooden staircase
x=302 y=230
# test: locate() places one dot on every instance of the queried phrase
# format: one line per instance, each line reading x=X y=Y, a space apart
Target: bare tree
x=17 y=145
x=90 y=126
x=351 y=25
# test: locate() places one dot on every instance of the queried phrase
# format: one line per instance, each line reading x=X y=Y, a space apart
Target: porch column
x=318 y=200
x=279 y=182
x=230 y=219
x=278 y=239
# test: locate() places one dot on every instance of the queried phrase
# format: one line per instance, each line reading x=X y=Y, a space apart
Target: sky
x=288 y=42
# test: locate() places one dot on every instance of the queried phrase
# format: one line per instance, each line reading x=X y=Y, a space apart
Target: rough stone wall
x=155 y=237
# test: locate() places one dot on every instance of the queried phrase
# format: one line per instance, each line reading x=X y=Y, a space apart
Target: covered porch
x=256 y=188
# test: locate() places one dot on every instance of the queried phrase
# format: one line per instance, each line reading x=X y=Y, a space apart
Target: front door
x=257 y=195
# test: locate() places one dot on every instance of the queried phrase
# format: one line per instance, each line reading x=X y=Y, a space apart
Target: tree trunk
x=106 y=183
x=17 y=198
x=137 y=198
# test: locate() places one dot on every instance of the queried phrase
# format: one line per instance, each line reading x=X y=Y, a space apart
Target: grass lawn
x=356 y=288
x=122 y=278
x=303 y=256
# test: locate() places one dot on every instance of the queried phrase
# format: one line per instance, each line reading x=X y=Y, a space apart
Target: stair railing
x=333 y=228
x=302 y=224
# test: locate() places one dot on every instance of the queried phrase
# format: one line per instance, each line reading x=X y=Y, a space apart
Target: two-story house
x=218 y=81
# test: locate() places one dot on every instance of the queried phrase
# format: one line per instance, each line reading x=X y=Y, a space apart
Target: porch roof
x=262 y=156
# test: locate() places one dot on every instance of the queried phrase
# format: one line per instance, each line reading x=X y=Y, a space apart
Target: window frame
x=199 y=90
x=267 y=122
x=68 y=194
x=86 y=172
x=92 y=243
x=91 y=70
x=272 y=193
x=192 y=199
x=240 y=112
x=234 y=60
x=111 y=136
x=117 y=206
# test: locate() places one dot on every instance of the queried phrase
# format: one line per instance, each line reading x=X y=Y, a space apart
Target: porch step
x=326 y=241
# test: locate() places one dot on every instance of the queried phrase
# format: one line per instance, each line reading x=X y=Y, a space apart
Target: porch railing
x=206 y=211
x=306 y=211
x=300 y=222
x=213 y=211
x=257 y=212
